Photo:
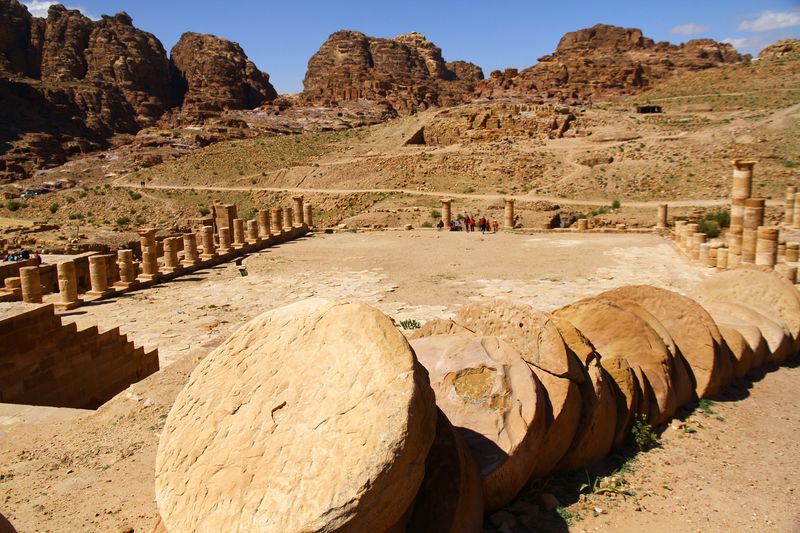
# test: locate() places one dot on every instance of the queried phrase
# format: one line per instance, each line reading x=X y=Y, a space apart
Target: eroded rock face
x=210 y=73
x=299 y=422
x=606 y=61
x=408 y=72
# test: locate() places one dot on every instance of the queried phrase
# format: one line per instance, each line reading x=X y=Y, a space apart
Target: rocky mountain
x=604 y=62
x=407 y=72
x=70 y=84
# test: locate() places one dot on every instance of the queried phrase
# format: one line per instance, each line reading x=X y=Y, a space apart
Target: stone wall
x=45 y=362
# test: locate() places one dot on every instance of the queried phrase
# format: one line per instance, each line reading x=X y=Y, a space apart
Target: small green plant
x=134 y=195
x=14 y=205
x=204 y=211
x=706 y=407
x=722 y=217
x=53 y=208
x=139 y=220
x=426 y=224
x=76 y=216
x=642 y=435
x=435 y=213
x=81 y=194
x=468 y=190
x=123 y=221
x=710 y=228
x=70 y=199
x=409 y=324
x=615 y=204
x=568 y=516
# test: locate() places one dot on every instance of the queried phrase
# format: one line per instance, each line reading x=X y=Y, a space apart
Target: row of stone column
x=508 y=212
x=791 y=215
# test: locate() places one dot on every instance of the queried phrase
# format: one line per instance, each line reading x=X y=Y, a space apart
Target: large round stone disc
x=298 y=422
x=690 y=326
x=778 y=338
x=489 y=393
x=450 y=499
x=615 y=332
x=739 y=348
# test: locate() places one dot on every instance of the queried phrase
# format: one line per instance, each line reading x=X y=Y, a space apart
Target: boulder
x=437 y=326
x=489 y=393
x=764 y=291
x=779 y=340
x=450 y=498
x=615 y=332
x=596 y=430
x=298 y=422
x=739 y=348
x=691 y=327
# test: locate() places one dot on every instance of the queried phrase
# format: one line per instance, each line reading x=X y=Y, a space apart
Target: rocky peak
x=210 y=73
x=407 y=72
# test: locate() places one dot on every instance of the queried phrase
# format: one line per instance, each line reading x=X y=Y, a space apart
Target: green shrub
x=642 y=435
x=123 y=221
x=409 y=324
x=134 y=195
x=53 y=208
x=14 y=205
x=427 y=224
x=70 y=199
x=204 y=211
x=616 y=204
x=468 y=190
x=81 y=194
x=139 y=220
x=710 y=228
x=722 y=217
x=435 y=213
x=76 y=216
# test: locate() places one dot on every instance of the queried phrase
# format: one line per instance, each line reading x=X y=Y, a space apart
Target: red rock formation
x=607 y=61
x=407 y=72
x=213 y=74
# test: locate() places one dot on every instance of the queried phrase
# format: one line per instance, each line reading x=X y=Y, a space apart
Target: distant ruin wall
x=45 y=362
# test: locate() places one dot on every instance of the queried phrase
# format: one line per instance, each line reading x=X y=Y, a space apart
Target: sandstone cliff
x=605 y=62
x=407 y=72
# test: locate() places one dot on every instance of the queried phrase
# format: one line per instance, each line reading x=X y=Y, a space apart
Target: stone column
x=238 y=233
x=734 y=240
x=792 y=252
x=788 y=216
x=710 y=255
x=147 y=239
x=583 y=224
x=225 y=241
x=209 y=248
x=781 y=251
x=252 y=233
x=753 y=218
x=308 y=215
x=790 y=273
x=298 y=211
x=171 y=263
x=508 y=213
x=287 y=219
x=767 y=246
x=722 y=258
x=698 y=239
x=742 y=179
x=31 y=284
x=190 y=255
x=661 y=221
x=277 y=223
x=98 y=277
x=677 y=230
x=796 y=211
x=447 y=214
x=67 y=286
x=263 y=223
x=14 y=284
x=127 y=275
x=688 y=232
x=149 y=266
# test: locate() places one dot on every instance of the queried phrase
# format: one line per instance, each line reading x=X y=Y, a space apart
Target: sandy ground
x=733 y=470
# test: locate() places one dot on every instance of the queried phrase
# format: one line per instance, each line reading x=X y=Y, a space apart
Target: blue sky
x=281 y=36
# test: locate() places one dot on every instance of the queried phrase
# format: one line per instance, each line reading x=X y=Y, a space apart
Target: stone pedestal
x=583 y=224
x=788 y=215
x=688 y=232
x=677 y=230
x=298 y=211
x=734 y=240
x=722 y=258
x=171 y=263
x=796 y=211
x=792 y=252
x=67 y=286
x=263 y=223
x=447 y=214
x=767 y=246
x=742 y=178
x=238 y=234
x=127 y=273
x=147 y=239
x=14 y=284
x=252 y=233
x=697 y=240
x=149 y=266
x=288 y=219
x=209 y=247
x=276 y=215
x=710 y=256
x=225 y=241
x=508 y=213
x=190 y=254
x=308 y=215
x=753 y=218
x=661 y=220
x=224 y=215
x=31 y=284
x=98 y=277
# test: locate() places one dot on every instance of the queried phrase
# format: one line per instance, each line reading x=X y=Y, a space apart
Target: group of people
x=21 y=256
x=468 y=224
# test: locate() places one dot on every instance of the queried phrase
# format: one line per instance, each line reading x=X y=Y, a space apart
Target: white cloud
x=751 y=45
x=38 y=8
x=772 y=20
x=689 y=29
